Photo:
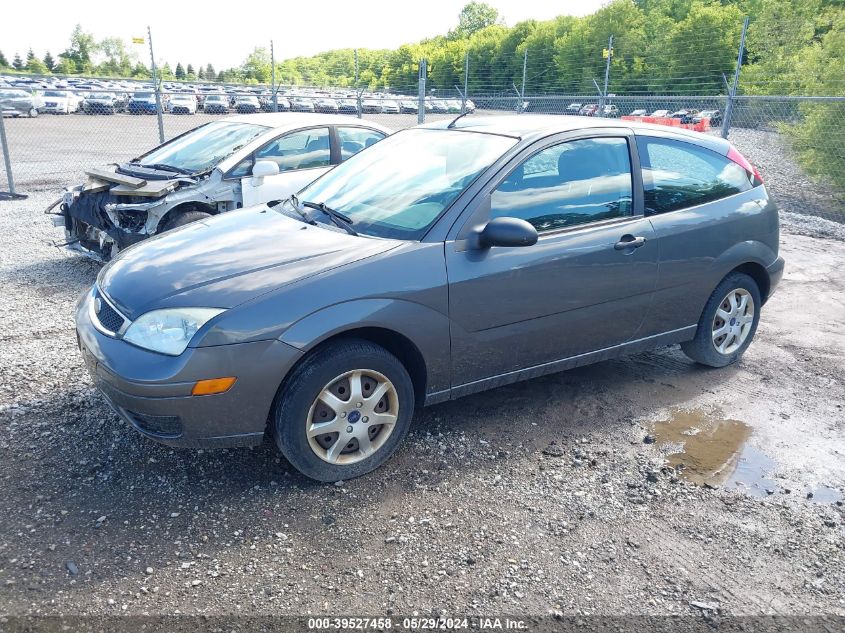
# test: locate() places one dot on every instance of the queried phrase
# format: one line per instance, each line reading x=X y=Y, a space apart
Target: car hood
x=226 y=260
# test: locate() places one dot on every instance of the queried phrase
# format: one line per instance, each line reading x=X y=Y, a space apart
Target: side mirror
x=261 y=169
x=507 y=232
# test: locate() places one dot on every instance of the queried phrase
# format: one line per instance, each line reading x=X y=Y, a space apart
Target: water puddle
x=714 y=452
x=825 y=494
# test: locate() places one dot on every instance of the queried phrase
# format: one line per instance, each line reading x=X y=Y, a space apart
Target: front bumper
x=152 y=392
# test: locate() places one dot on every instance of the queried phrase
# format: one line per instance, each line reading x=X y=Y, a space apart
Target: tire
x=704 y=348
x=185 y=217
x=33 y=112
x=298 y=407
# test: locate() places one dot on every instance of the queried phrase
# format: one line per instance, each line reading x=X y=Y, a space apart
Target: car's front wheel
x=343 y=411
x=728 y=322
x=33 y=112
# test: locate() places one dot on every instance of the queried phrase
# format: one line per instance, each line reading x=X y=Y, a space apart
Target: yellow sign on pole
x=137 y=40
x=605 y=53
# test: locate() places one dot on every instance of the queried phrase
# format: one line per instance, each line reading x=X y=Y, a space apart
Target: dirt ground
x=573 y=494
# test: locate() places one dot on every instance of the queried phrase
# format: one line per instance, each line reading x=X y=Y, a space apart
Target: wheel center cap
x=733 y=321
x=354 y=416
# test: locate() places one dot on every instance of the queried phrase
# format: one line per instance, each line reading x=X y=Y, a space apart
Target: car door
x=585 y=285
x=301 y=156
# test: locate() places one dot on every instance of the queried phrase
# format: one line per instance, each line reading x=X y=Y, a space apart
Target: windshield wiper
x=338 y=219
x=163 y=167
x=294 y=202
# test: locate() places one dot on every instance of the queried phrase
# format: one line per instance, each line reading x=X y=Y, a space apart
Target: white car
x=235 y=162
x=182 y=103
x=61 y=101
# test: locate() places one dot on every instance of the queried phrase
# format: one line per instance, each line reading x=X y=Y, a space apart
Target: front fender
x=425 y=327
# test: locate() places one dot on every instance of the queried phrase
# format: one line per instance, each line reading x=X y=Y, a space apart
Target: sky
x=223 y=34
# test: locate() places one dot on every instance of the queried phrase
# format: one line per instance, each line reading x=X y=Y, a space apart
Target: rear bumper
x=152 y=392
x=775 y=271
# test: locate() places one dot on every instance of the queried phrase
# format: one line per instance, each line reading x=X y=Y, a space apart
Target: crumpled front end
x=100 y=224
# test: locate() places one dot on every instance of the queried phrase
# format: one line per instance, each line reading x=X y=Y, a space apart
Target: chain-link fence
x=795 y=141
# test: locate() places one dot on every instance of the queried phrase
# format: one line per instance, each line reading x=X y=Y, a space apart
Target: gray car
x=15 y=102
x=443 y=261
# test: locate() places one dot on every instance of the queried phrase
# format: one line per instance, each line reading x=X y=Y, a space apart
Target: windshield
x=204 y=147
x=54 y=93
x=143 y=95
x=215 y=98
x=398 y=187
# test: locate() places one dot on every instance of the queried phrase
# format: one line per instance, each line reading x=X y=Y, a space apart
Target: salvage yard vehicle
x=220 y=166
x=247 y=104
x=182 y=103
x=60 y=101
x=15 y=102
x=445 y=260
x=103 y=103
x=142 y=103
x=216 y=104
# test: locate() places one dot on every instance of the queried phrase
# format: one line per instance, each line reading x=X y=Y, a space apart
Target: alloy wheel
x=733 y=321
x=352 y=417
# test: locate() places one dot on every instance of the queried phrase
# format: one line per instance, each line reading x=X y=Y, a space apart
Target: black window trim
x=475 y=211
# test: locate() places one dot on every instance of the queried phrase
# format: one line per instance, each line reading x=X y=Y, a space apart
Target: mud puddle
x=714 y=452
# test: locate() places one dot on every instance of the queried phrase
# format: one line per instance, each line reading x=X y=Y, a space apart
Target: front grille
x=109 y=318
x=160 y=425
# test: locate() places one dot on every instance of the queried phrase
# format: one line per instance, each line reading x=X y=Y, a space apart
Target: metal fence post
x=273 y=90
x=157 y=89
x=524 y=71
x=6 y=159
x=729 y=106
x=421 y=97
x=606 y=76
x=465 y=93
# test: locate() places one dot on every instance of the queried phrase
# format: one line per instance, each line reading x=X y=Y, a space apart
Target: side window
x=303 y=149
x=354 y=139
x=568 y=184
x=678 y=175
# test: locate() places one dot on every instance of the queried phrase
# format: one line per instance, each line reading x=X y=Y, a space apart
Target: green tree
x=474 y=17
x=35 y=65
x=209 y=72
x=189 y=72
x=4 y=63
x=117 y=60
x=180 y=72
x=257 y=65
x=17 y=63
x=49 y=62
x=65 y=66
x=201 y=73
x=82 y=48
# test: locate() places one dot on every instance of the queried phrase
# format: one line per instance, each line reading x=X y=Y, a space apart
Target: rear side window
x=572 y=183
x=677 y=175
x=354 y=139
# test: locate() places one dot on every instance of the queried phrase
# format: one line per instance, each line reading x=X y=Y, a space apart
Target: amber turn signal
x=213 y=385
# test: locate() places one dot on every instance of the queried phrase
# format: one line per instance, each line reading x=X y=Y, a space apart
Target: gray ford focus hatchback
x=447 y=259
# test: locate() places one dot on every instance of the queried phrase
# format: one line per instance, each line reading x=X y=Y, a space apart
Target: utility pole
x=157 y=88
x=421 y=93
x=606 y=75
x=729 y=106
x=273 y=78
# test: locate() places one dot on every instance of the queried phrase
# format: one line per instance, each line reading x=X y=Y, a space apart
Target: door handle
x=629 y=241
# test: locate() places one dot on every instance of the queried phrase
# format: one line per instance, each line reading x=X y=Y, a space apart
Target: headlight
x=168 y=331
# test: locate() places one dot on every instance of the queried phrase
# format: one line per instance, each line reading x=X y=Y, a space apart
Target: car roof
x=529 y=127
x=294 y=120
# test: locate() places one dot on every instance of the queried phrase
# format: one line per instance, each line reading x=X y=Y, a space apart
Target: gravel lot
x=549 y=496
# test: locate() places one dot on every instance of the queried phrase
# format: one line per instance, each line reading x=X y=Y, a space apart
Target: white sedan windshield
x=204 y=147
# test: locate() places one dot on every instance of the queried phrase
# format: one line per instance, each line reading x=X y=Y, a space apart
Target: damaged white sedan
x=235 y=162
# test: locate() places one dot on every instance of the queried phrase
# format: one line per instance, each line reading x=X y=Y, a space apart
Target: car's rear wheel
x=343 y=411
x=33 y=112
x=185 y=217
x=728 y=322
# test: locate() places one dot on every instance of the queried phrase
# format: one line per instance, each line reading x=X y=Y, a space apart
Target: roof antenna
x=455 y=120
